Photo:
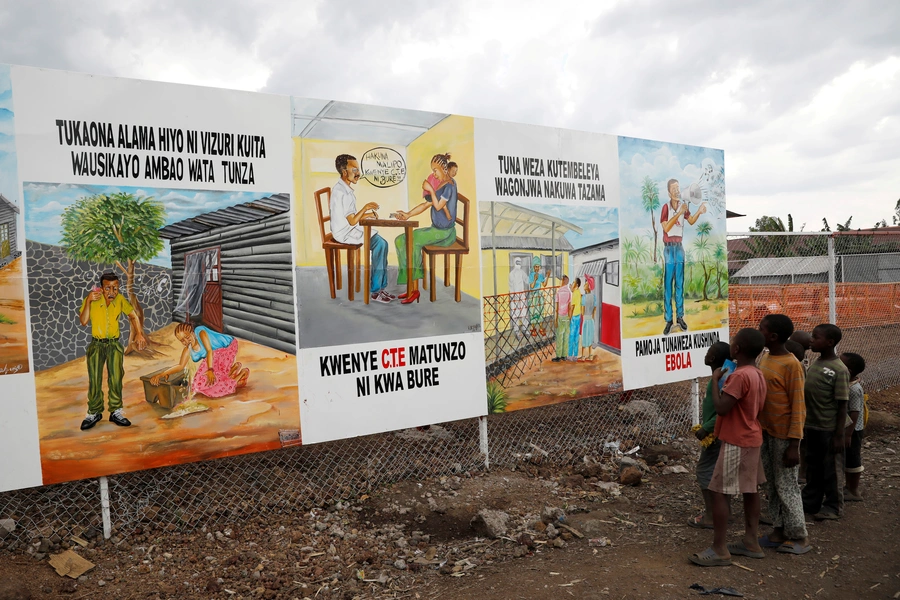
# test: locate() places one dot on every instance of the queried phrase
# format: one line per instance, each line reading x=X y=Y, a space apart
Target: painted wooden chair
x=457 y=249
x=333 y=251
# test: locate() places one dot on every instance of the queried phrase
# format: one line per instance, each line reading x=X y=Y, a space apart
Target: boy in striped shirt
x=782 y=420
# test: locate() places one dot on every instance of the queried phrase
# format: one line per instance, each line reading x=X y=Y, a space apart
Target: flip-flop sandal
x=696 y=523
x=793 y=548
x=709 y=558
x=765 y=542
x=741 y=550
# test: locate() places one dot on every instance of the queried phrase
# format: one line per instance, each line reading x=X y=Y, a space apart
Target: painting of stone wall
x=57 y=286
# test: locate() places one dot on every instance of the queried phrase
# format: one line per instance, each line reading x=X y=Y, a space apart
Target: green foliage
x=109 y=228
x=650 y=203
x=4 y=320
x=496 y=398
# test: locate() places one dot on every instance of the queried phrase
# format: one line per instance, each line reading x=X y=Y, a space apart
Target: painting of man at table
x=394 y=261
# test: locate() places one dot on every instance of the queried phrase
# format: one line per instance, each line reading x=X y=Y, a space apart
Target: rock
x=674 y=469
x=526 y=540
x=641 y=410
x=14 y=589
x=572 y=481
x=661 y=453
x=213 y=586
x=551 y=532
x=627 y=461
x=539 y=526
x=101 y=583
x=90 y=533
x=559 y=543
x=610 y=487
x=68 y=586
x=490 y=523
x=44 y=547
x=592 y=469
x=880 y=420
x=551 y=514
x=630 y=476
x=7 y=526
x=400 y=564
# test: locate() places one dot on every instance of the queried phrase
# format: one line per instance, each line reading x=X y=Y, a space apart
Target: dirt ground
x=413 y=540
x=715 y=316
x=13 y=336
x=247 y=421
x=554 y=382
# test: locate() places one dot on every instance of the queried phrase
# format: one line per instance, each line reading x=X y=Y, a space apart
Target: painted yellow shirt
x=105 y=319
x=576 y=302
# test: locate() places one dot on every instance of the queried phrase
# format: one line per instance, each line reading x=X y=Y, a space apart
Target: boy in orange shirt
x=782 y=420
x=737 y=469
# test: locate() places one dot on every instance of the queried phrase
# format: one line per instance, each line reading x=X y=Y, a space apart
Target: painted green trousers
x=111 y=354
x=429 y=236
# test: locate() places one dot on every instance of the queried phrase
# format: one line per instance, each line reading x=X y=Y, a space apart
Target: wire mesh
x=863 y=272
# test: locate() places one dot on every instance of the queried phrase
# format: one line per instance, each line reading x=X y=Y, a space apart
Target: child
x=737 y=471
x=798 y=352
x=803 y=338
x=102 y=308
x=854 y=434
x=432 y=183
x=715 y=358
x=782 y=421
x=826 y=393
x=563 y=301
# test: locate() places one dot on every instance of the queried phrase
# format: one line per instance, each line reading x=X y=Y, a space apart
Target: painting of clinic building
x=520 y=327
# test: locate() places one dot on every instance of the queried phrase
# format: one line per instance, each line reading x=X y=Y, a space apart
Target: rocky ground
x=609 y=526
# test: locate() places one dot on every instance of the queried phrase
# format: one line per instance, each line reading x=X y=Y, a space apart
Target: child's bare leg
x=242 y=377
x=707 y=507
x=720 y=524
x=234 y=370
x=751 y=522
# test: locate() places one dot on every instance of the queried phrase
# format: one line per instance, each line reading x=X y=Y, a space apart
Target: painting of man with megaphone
x=673 y=216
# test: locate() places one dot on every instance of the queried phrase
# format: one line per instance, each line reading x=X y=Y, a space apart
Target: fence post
x=483 y=442
x=695 y=401
x=832 y=266
x=104 y=508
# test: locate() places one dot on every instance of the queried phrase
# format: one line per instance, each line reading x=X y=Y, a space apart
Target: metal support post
x=832 y=266
x=695 y=401
x=483 y=442
x=104 y=508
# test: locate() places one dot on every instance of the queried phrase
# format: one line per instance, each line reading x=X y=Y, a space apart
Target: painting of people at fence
x=551 y=283
x=163 y=325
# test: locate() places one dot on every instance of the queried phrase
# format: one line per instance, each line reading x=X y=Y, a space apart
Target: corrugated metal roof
x=525 y=242
x=9 y=202
x=514 y=219
x=248 y=212
x=794 y=265
x=346 y=121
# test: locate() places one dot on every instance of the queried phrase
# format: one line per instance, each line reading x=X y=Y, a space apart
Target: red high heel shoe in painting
x=413 y=297
x=402 y=296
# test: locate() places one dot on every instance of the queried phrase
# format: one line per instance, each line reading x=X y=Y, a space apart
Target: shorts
x=853 y=460
x=738 y=471
x=707 y=463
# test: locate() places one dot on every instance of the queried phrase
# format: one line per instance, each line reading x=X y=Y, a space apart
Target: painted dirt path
x=247 y=421
x=554 y=382
x=13 y=336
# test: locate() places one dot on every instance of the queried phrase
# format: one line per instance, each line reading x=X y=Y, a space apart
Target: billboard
x=190 y=273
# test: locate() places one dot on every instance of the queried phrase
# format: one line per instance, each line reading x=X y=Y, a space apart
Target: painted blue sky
x=600 y=223
x=9 y=178
x=45 y=203
x=660 y=161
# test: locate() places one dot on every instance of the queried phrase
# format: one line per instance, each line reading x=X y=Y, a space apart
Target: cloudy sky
x=803 y=97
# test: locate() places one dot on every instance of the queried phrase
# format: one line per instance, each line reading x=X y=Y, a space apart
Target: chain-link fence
x=849 y=279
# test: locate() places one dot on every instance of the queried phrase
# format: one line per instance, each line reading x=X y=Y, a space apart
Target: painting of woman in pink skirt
x=218 y=374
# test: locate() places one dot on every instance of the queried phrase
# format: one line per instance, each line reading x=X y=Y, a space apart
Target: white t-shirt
x=341 y=205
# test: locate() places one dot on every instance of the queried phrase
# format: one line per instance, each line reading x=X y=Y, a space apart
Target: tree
x=721 y=258
x=703 y=251
x=767 y=223
x=115 y=228
x=896 y=217
x=650 y=202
